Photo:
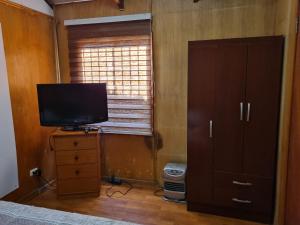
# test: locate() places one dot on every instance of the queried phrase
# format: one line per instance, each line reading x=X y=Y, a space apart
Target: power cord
x=156 y=192
x=111 y=195
x=47 y=184
x=130 y=186
x=101 y=139
x=50 y=143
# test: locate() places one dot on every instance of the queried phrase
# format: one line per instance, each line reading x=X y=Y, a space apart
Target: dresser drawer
x=243 y=192
x=77 y=171
x=76 y=157
x=78 y=186
x=75 y=142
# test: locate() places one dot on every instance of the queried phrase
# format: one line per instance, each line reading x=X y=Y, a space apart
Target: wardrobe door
x=263 y=92
x=202 y=67
x=229 y=98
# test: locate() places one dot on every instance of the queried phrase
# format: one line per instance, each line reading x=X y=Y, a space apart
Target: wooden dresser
x=77 y=159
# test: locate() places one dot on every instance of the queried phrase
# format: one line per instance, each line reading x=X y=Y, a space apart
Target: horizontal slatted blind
x=122 y=59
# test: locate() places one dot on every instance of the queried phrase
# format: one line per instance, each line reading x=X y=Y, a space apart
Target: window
x=122 y=60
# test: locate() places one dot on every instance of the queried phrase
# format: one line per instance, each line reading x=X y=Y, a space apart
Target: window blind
x=120 y=56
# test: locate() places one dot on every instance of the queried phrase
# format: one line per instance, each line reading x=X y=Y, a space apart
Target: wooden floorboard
x=140 y=206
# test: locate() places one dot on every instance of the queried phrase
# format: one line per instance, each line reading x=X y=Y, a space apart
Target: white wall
x=8 y=156
x=38 y=5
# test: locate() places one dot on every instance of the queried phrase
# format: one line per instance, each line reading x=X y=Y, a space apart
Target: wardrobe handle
x=241 y=201
x=248 y=112
x=241 y=183
x=210 y=129
x=241 y=111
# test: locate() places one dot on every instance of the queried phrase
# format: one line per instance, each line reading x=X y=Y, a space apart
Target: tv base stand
x=77 y=159
x=79 y=128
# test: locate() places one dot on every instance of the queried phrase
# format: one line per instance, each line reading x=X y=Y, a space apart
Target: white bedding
x=17 y=214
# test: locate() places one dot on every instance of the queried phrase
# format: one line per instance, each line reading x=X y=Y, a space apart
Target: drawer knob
x=241 y=201
x=76 y=158
x=77 y=172
x=75 y=143
x=242 y=183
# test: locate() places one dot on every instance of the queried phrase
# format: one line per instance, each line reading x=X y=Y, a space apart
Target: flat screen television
x=72 y=105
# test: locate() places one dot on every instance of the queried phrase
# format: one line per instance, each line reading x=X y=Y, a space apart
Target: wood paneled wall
x=124 y=155
x=127 y=156
x=174 y=24
x=29 y=51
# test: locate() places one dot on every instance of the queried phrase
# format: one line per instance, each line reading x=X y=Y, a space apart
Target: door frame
x=288 y=28
x=9 y=178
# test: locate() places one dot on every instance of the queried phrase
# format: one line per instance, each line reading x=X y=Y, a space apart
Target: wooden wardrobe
x=234 y=89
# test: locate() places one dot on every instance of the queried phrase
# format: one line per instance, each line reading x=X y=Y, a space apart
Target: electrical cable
x=101 y=139
x=111 y=195
x=47 y=184
x=50 y=144
x=102 y=148
x=157 y=191
x=130 y=186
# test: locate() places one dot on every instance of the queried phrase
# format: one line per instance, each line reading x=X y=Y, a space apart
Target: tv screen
x=72 y=104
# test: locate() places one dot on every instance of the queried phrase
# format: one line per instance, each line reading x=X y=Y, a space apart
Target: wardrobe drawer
x=243 y=192
x=77 y=171
x=75 y=142
x=76 y=157
x=78 y=186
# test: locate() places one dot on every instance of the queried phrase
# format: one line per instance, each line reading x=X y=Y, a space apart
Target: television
x=72 y=105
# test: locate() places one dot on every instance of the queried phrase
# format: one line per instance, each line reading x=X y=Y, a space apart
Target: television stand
x=71 y=128
x=79 y=128
x=77 y=163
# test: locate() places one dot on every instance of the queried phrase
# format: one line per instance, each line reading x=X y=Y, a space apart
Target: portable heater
x=174 y=181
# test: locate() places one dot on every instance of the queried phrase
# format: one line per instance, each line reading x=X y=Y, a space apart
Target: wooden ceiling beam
x=61 y=2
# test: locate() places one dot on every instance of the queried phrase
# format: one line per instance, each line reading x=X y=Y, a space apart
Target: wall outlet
x=35 y=172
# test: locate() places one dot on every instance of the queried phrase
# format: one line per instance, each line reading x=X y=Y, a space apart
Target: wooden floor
x=140 y=205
